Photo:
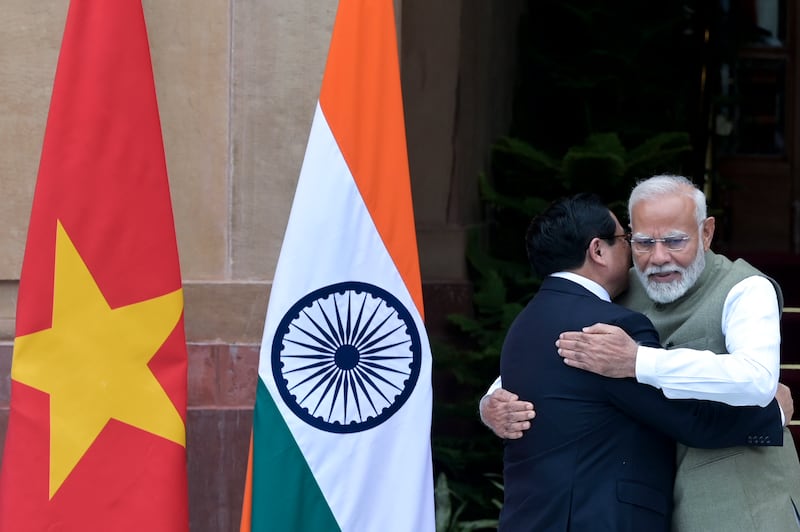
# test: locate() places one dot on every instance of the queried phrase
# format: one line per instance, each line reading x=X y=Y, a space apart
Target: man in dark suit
x=601 y=454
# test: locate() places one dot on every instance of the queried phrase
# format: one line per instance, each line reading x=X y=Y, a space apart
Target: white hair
x=662 y=185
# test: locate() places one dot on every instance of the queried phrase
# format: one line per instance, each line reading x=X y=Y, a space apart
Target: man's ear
x=708 y=232
x=595 y=251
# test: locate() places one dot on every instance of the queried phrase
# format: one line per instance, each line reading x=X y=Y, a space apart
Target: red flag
x=96 y=434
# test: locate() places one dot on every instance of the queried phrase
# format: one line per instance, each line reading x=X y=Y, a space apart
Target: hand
x=601 y=348
x=505 y=414
x=784 y=397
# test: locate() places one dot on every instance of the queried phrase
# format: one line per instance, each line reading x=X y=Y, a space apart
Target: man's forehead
x=666 y=213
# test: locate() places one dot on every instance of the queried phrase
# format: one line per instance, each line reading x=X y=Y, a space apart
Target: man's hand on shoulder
x=784 y=397
x=601 y=348
x=505 y=414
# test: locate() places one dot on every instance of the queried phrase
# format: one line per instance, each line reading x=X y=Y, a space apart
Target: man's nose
x=660 y=254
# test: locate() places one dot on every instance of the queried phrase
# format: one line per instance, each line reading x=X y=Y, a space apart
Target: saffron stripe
x=362 y=102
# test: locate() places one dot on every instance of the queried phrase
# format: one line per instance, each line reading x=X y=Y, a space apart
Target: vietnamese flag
x=341 y=429
x=96 y=437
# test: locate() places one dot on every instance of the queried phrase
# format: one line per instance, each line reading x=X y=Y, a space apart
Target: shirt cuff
x=646 y=365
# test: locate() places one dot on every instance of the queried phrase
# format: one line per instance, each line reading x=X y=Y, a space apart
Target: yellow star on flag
x=93 y=363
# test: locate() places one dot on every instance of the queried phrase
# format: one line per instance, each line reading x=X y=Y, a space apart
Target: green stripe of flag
x=286 y=495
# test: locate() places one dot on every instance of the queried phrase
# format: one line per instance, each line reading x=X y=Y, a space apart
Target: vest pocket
x=696 y=458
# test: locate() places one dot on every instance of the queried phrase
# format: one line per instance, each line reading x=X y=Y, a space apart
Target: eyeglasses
x=647 y=245
x=624 y=236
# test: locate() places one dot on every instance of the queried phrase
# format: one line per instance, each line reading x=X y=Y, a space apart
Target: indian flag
x=341 y=431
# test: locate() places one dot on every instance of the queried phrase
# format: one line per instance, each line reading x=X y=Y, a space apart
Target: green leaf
x=442 y=503
x=527 y=155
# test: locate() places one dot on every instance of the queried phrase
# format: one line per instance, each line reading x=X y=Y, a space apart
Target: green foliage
x=449 y=517
x=601 y=164
x=525 y=180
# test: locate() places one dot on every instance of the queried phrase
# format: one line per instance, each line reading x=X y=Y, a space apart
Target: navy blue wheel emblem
x=346 y=357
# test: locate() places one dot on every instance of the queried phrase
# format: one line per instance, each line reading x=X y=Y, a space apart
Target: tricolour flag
x=341 y=431
x=96 y=433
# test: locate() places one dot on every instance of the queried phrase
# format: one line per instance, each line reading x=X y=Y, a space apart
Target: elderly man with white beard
x=701 y=303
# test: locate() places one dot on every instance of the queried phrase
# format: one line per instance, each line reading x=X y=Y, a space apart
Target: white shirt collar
x=585 y=282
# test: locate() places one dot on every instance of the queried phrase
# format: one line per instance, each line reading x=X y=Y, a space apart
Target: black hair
x=557 y=239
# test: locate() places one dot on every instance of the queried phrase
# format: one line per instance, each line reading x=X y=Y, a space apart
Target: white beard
x=669 y=292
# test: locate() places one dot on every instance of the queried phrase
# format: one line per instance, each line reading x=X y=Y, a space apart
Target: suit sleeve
x=703 y=424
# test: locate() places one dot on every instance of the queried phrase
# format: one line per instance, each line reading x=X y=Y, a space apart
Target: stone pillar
x=458 y=61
